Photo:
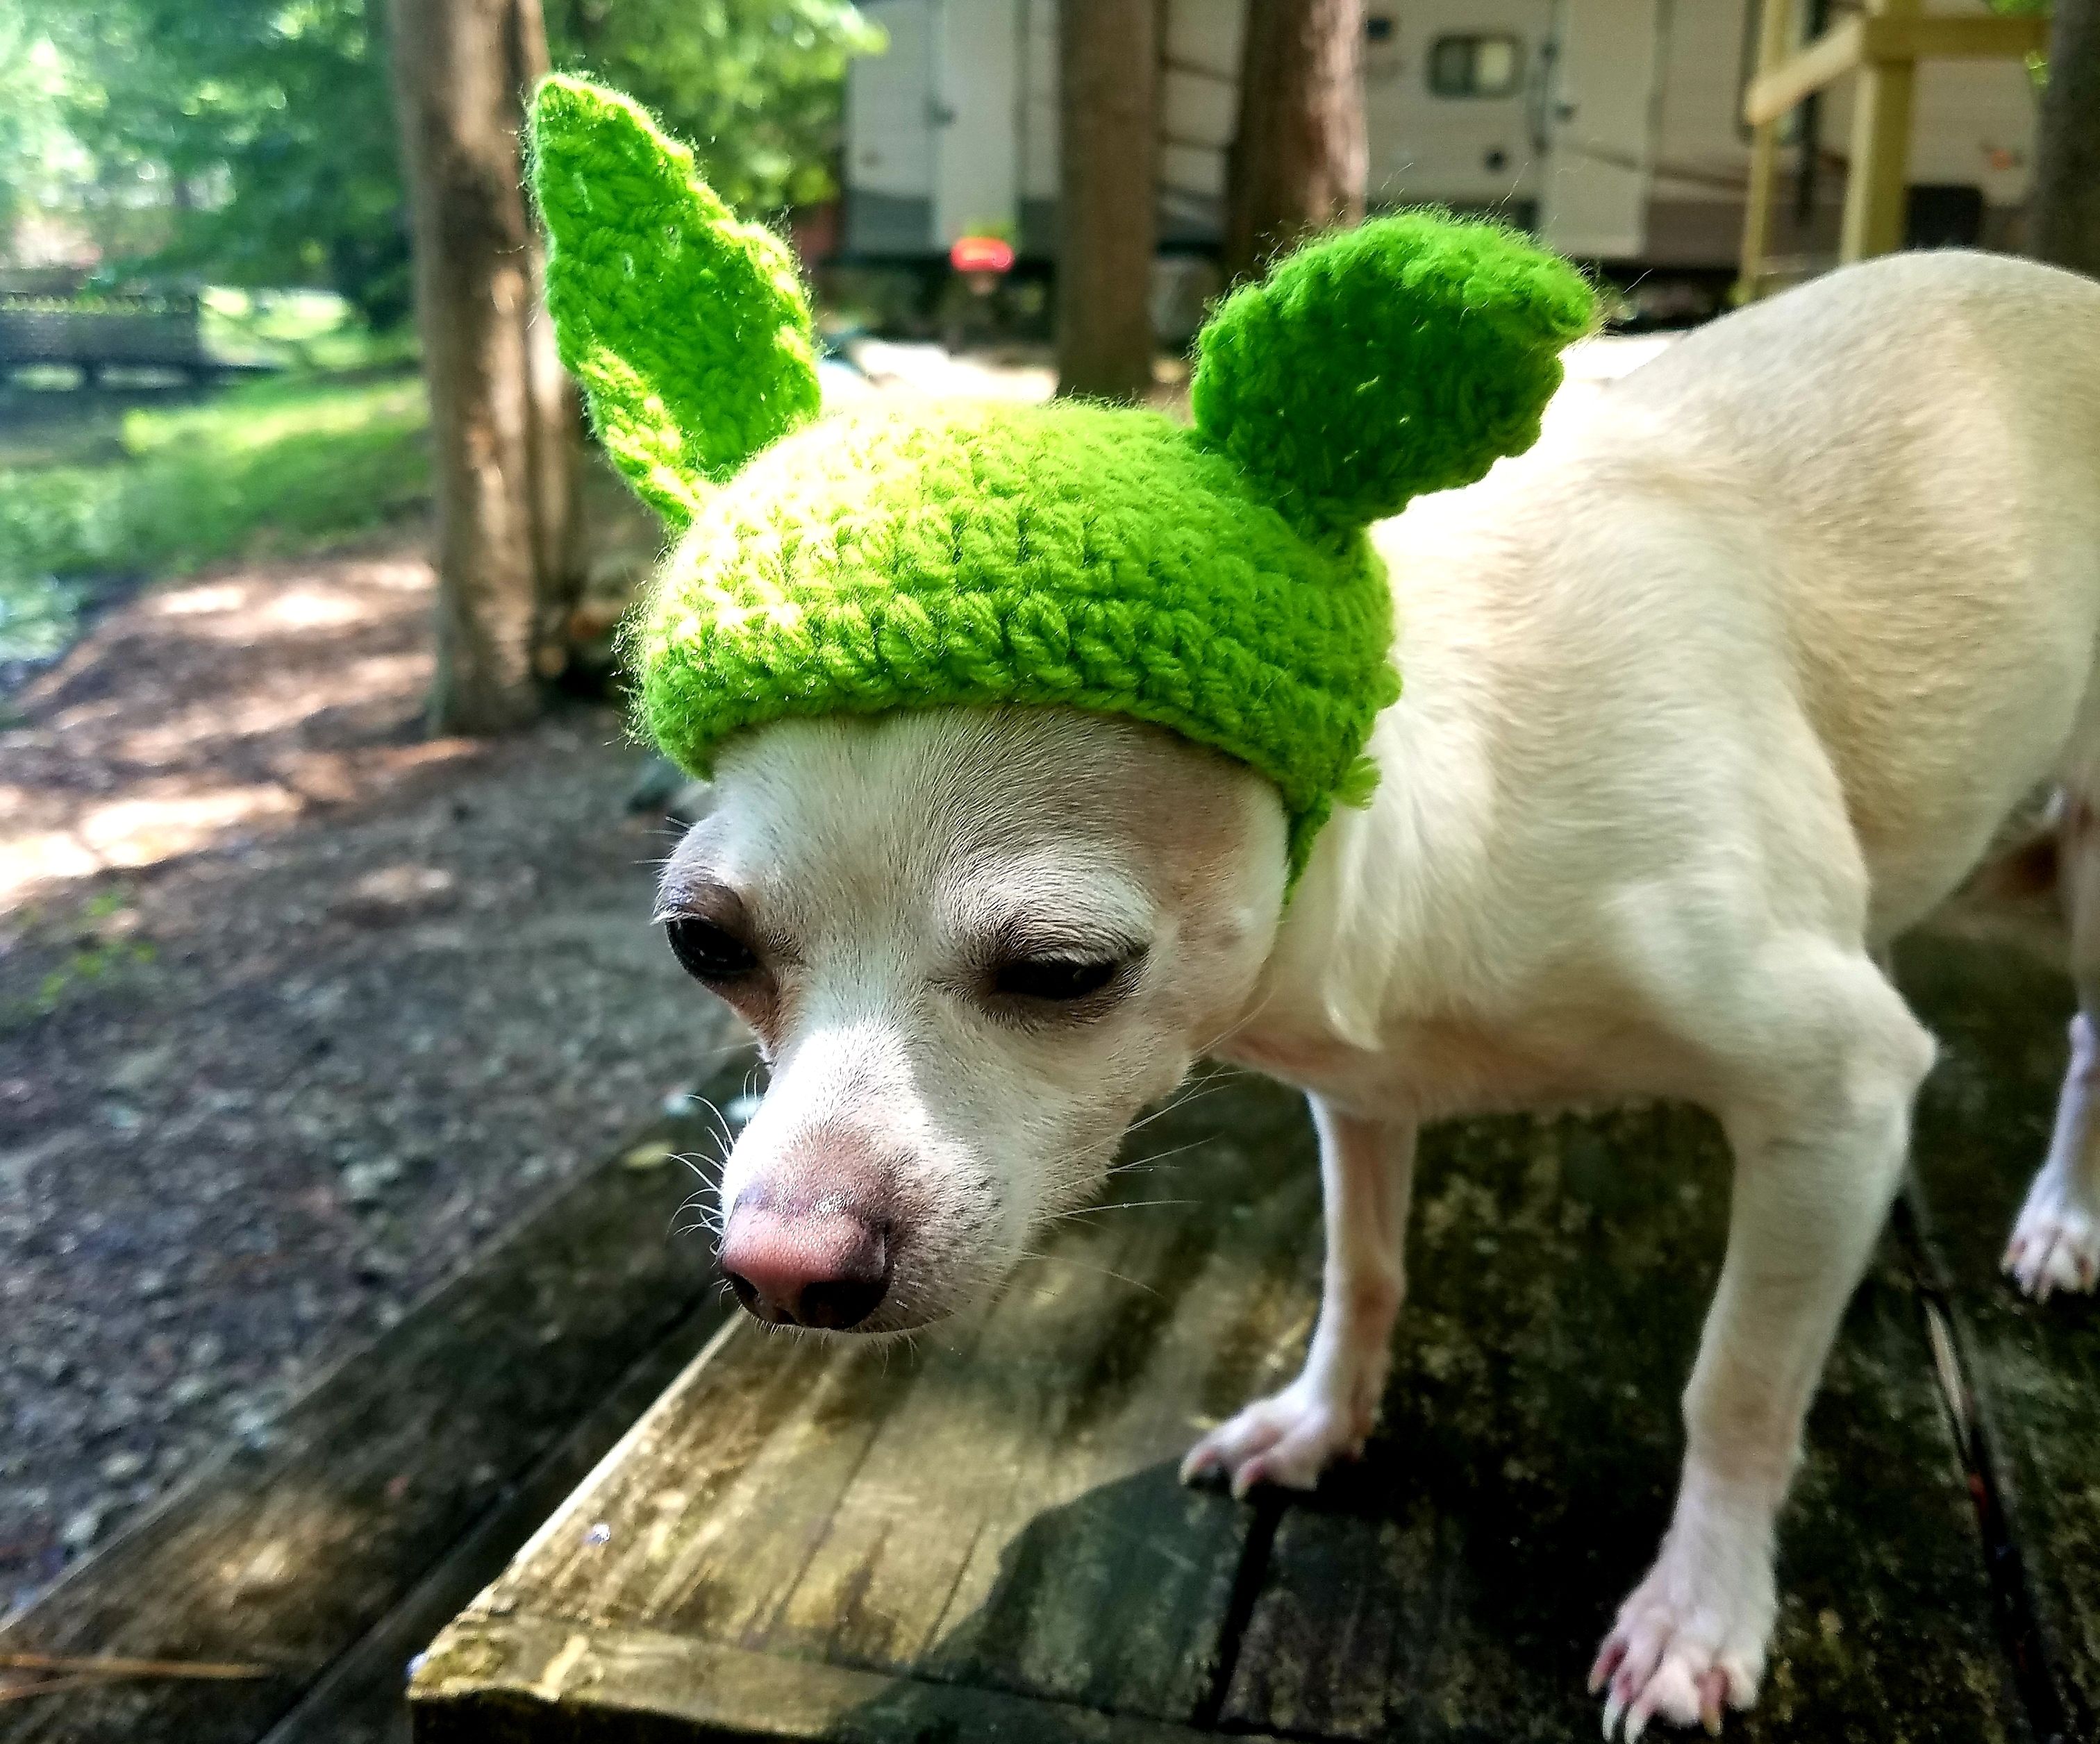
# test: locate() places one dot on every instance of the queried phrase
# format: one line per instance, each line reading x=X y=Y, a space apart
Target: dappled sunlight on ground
x=298 y=1008
x=221 y=707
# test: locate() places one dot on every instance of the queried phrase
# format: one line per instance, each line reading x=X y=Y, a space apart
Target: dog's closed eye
x=1068 y=981
x=1054 y=978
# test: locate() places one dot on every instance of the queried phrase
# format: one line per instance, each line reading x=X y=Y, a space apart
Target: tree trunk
x=1108 y=224
x=555 y=429
x=1299 y=160
x=500 y=418
x=2064 y=208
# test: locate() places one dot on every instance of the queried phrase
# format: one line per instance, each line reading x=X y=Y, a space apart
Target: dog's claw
x=1615 y=1705
x=1286 y=1441
x=1713 y=1687
x=2055 y=1246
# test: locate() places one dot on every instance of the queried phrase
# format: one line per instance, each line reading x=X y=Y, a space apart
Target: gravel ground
x=296 y=1009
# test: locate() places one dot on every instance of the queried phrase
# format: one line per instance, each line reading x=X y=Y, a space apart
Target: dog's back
x=1917 y=440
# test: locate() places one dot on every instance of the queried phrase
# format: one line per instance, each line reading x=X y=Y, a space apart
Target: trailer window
x=1476 y=65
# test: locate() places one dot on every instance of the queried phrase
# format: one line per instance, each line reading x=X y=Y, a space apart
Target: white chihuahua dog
x=1710 y=695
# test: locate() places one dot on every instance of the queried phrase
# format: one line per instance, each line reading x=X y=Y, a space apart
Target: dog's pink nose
x=825 y=1267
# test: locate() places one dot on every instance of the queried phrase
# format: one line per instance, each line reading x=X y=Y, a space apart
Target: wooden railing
x=1882 y=46
x=93 y=333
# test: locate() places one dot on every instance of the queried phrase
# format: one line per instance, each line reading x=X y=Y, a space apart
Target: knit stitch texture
x=687 y=329
x=1402 y=357
x=1217 y=581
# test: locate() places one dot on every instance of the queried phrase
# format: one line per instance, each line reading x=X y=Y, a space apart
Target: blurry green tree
x=262 y=131
x=263 y=127
x=36 y=151
x=756 y=86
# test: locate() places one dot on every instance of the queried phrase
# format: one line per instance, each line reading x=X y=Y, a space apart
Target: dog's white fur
x=1710 y=695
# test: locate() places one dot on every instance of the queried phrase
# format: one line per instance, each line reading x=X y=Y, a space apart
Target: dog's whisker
x=1119 y=1205
x=1064 y=1259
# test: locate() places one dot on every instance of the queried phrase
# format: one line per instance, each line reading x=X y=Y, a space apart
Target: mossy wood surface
x=393 y=1488
x=982 y=1536
x=2032 y=1372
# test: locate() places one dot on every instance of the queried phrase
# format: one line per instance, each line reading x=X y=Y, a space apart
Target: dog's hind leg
x=2056 y=1241
x=1366 y=1177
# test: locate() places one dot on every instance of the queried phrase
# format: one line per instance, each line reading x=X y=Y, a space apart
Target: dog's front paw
x=1692 y=1637
x=1287 y=1439
x=2056 y=1244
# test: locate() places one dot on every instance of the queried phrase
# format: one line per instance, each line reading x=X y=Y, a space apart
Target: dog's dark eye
x=708 y=952
x=1054 y=978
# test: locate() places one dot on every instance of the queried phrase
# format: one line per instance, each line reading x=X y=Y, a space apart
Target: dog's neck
x=1386 y=927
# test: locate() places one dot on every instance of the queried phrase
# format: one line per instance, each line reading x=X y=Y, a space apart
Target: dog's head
x=974 y=943
x=971 y=874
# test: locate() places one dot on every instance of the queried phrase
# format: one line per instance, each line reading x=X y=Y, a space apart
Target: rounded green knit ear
x=1384 y=362
x=688 y=330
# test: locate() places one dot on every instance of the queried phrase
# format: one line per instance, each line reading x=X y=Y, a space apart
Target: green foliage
x=101 y=948
x=254 y=141
x=286 y=463
x=757 y=85
x=36 y=150
x=2037 y=65
x=262 y=130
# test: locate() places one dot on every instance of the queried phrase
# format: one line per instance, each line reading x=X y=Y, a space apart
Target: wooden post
x=1880 y=174
x=1775 y=36
x=1108 y=221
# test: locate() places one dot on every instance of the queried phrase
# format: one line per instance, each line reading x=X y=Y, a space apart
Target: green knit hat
x=1216 y=580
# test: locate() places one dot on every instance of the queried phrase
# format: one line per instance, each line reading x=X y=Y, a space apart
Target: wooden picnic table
x=982 y=1536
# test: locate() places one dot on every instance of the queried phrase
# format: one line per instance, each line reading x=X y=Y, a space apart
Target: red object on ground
x=981 y=254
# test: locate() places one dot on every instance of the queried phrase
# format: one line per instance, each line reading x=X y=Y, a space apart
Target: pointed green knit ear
x=1382 y=363
x=688 y=330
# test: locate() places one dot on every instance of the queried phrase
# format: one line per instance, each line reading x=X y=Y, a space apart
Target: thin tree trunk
x=503 y=481
x=556 y=427
x=2064 y=208
x=1299 y=160
x=1109 y=67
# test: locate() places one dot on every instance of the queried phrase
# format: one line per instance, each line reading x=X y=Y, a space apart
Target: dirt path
x=296 y=1007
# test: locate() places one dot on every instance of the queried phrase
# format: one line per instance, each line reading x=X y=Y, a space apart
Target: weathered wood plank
x=285 y=1552
x=996 y=1512
x=362 y=1699
x=1454 y=1585
x=1983 y=1126
x=996 y=1509
x=629 y=1685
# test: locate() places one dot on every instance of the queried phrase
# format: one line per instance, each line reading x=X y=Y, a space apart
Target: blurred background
x=325 y=864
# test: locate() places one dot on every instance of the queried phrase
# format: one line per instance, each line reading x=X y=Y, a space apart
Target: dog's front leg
x=1819 y=1135
x=1366 y=1174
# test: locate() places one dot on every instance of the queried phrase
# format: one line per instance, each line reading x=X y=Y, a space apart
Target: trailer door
x=1602 y=104
x=1448 y=108
x=977 y=142
x=890 y=127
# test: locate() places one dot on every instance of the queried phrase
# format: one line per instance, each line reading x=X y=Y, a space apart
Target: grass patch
x=275 y=465
x=308 y=330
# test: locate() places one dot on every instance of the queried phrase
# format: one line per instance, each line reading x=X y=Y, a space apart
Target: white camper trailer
x=1610 y=127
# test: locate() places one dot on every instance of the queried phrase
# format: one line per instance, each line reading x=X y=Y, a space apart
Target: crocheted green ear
x=1379 y=363
x=687 y=329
